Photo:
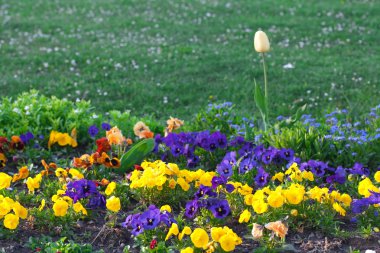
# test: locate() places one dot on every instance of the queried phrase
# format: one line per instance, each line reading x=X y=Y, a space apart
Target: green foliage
x=36 y=113
x=46 y=244
x=135 y=155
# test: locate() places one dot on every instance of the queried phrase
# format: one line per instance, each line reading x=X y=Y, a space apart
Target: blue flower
x=93 y=131
x=106 y=126
x=220 y=209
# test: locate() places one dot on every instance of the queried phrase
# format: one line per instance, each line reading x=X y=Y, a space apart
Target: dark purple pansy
x=93 y=131
x=191 y=208
x=106 y=126
x=317 y=167
x=220 y=139
x=203 y=191
x=220 y=209
x=268 y=156
x=81 y=189
x=96 y=201
x=224 y=169
x=287 y=154
x=150 y=218
x=359 y=169
x=216 y=181
x=246 y=165
x=338 y=177
x=261 y=178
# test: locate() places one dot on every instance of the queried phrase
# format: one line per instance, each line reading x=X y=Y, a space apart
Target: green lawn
x=169 y=57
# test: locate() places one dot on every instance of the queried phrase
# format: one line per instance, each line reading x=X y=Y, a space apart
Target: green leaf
x=135 y=155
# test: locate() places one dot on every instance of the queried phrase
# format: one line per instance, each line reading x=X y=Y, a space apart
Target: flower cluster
x=7 y=205
x=159 y=174
x=63 y=139
x=149 y=220
x=185 y=145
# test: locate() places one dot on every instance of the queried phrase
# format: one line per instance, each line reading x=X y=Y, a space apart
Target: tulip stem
x=265 y=82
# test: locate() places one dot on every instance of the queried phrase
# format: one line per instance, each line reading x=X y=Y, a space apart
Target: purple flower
x=246 y=165
x=220 y=138
x=339 y=176
x=230 y=188
x=106 y=126
x=359 y=205
x=26 y=137
x=96 y=201
x=220 y=209
x=137 y=226
x=359 y=169
x=287 y=154
x=224 y=169
x=193 y=161
x=216 y=181
x=230 y=157
x=150 y=218
x=81 y=189
x=318 y=168
x=191 y=208
x=203 y=191
x=93 y=131
x=261 y=178
x=268 y=156
x=167 y=219
x=177 y=150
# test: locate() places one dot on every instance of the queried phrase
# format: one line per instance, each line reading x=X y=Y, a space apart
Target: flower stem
x=265 y=85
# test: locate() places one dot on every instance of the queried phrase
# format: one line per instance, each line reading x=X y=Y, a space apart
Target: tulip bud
x=261 y=42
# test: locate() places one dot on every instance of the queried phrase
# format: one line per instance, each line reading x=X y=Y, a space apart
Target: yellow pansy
x=60 y=207
x=245 y=216
x=113 y=204
x=110 y=188
x=5 y=180
x=11 y=221
x=172 y=231
x=199 y=237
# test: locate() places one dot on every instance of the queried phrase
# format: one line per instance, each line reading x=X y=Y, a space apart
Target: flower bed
x=222 y=185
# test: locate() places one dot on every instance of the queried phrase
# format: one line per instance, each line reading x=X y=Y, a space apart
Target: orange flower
x=103 y=145
x=3 y=160
x=173 y=124
x=16 y=143
x=47 y=172
x=22 y=174
x=142 y=131
x=114 y=136
x=279 y=228
x=84 y=162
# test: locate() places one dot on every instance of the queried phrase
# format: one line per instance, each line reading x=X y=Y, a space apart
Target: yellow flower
x=217 y=233
x=41 y=207
x=206 y=178
x=199 y=238
x=19 y=210
x=187 y=250
x=260 y=206
x=295 y=194
x=377 y=176
x=345 y=199
x=75 y=174
x=339 y=209
x=245 y=216
x=78 y=207
x=185 y=231
x=5 y=180
x=365 y=187
x=110 y=188
x=166 y=208
x=308 y=175
x=113 y=204
x=185 y=186
x=275 y=199
x=60 y=173
x=227 y=243
x=34 y=183
x=261 y=42
x=172 y=231
x=278 y=176
x=11 y=221
x=294 y=212
x=60 y=207
x=257 y=231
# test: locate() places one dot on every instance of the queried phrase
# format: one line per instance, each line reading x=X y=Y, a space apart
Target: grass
x=172 y=57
